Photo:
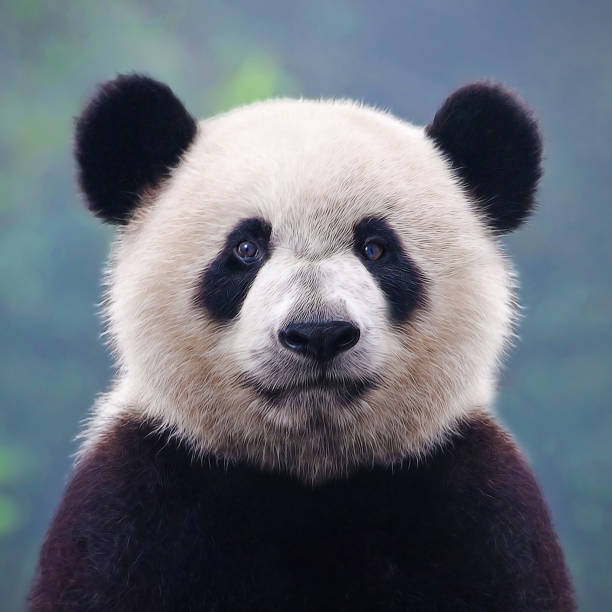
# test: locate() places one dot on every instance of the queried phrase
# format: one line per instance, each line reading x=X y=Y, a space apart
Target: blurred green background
x=406 y=56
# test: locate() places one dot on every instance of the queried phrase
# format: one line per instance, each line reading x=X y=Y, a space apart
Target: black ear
x=132 y=132
x=494 y=145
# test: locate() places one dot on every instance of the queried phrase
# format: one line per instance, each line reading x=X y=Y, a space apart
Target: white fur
x=312 y=170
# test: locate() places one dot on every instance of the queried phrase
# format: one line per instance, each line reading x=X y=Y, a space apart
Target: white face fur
x=312 y=171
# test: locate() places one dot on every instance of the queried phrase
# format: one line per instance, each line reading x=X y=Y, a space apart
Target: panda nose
x=319 y=341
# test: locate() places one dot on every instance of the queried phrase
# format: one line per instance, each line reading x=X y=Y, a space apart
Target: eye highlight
x=246 y=251
x=373 y=250
x=381 y=251
x=228 y=277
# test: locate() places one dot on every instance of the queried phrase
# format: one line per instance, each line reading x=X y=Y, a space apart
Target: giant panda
x=307 y=302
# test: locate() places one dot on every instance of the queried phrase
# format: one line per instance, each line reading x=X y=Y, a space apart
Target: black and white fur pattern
x=350 y=163
x=196 y=336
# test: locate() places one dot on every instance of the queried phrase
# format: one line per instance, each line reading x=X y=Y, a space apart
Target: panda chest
x=238 y=538
x=331 y=543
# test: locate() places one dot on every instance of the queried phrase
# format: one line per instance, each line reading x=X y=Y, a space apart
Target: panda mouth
x=344 y=389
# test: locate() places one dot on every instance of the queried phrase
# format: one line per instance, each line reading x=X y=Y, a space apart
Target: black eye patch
x=397 y=275
x=228 y=278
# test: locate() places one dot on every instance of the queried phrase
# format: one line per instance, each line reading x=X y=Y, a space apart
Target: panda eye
x=373 y=250
x=246 y=251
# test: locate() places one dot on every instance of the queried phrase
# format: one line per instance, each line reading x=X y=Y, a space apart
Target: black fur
x=494 y=145
x=144 y=526
x=129 y=136
x=398 y=276
x=227 y=279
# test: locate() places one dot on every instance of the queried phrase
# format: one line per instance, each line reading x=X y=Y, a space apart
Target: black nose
x=320 y=341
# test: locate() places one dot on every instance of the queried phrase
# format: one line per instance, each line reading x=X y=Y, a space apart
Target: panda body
x=464 y=530
x=308 y=304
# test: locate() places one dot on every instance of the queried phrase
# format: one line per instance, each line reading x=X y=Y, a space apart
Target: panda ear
x=494 y=145
x=129 y=136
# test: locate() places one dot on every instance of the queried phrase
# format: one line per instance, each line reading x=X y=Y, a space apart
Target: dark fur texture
x=397 y=275
x=129 y=136
x=227 y=279
x=494 y=145
x=143 y=526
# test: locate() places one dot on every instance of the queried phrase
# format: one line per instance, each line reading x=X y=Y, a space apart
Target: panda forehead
x=305 y=121
x=295 y=165
x=312 y=227
x=326 y=146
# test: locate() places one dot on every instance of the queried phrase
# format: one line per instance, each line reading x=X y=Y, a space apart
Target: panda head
x=310 y=286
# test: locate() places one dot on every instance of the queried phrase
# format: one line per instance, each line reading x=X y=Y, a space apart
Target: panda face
x=310 y=290
x=308 y=286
